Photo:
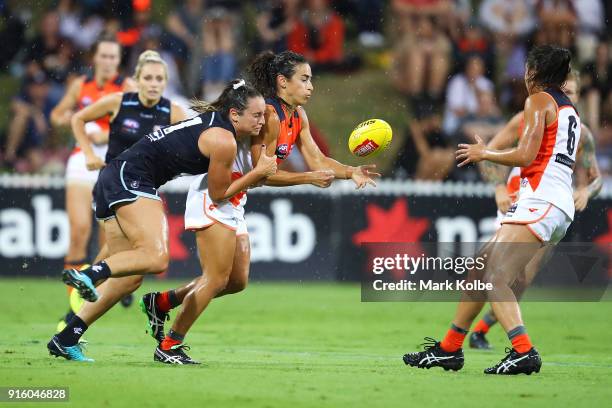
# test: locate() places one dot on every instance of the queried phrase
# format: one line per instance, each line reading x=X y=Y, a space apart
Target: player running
x=83 y=92
x=134 y=219
x=285 y=80
x=546 y=153
x=588 y=185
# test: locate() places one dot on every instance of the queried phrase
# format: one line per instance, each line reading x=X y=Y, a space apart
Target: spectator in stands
x=427 y=153
x=367 y=16
x=12 y=35
x=557 y=22
x=219 y=64
x=597 y=86
x=50 y=54
x=485 y=122
x=274 y=23
x=472 y=40
x=462 y=93
x=591 y=24
x=319 y=35
x=422 y=52
x=511 y=22
x=184 y=27
x=29 y=125
x=78 y=24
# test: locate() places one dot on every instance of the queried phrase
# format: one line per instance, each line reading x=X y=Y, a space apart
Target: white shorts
x=202 y=212
x=547 y=222
x=76 y=170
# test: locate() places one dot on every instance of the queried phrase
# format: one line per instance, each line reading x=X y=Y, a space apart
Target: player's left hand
x=581 y=198
x=470 y=153
x=364 y=175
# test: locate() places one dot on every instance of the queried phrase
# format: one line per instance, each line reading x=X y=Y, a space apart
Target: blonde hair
x=149 y=57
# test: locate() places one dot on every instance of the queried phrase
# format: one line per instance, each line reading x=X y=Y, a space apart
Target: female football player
x=285 y=81
x=134 y=220
x=546 y=153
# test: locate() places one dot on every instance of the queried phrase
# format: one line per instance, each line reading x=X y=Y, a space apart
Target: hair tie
x=239 y=84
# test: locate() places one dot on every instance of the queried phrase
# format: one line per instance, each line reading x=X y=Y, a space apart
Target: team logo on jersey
x=86 y=100
x=135 y=184
x=130 y=125
x=282 y=151
x=511 y=210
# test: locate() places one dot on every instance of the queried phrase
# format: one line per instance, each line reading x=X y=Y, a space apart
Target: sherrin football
x=370 y=138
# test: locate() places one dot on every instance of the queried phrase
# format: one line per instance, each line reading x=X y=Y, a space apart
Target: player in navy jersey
x=134 y=220
x=130 y=115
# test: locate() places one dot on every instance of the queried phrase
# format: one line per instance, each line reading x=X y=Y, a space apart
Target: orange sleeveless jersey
x=290 y=127
x=91 y=92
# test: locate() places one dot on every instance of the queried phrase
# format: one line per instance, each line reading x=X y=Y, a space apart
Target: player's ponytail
x=267 y=66
x=149 y=57
x=235 y=95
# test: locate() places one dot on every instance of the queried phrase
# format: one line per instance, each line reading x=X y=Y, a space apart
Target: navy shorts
x=120 y=182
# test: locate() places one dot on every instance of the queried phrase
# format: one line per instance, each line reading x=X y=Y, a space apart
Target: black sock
x=97 y=272
x=173 y=299
x=72 y=332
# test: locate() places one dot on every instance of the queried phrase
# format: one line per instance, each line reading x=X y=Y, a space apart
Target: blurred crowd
x=459 y=64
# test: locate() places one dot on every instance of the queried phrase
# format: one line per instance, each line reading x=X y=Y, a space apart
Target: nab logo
x=282 y=151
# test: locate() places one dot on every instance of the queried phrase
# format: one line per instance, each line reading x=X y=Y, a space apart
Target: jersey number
x=571 y=136
x=158 y=134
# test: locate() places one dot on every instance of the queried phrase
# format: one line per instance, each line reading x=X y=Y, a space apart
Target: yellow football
x=370 y=138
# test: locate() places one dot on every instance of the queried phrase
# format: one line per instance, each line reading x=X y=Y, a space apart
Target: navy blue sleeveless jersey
x=173 y=150
x=133 y=121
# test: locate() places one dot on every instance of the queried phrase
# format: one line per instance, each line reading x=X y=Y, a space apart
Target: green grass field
x=301 y=345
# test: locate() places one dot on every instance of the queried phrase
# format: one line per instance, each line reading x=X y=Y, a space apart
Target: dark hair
x=267 y=66
x=549 y=66
x=105 y=38
x=235 y=95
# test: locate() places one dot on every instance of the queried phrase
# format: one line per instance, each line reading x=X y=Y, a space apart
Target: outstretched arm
x=316 y=160
x=268 y=136
x=537 y=107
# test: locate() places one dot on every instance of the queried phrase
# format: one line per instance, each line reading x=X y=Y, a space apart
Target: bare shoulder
x=302 y=113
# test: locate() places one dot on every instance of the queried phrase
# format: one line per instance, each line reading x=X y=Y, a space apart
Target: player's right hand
x=321 y=178
x=93 y=162
x=266 y=165
x=502 y=198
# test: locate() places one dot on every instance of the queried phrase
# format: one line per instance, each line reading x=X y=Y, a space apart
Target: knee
x=237 y=285
x=158 y=261
x=134 y=284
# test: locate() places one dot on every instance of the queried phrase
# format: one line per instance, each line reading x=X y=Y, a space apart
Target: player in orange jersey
x=546 y=153
x=588 y=184
x=285 y=81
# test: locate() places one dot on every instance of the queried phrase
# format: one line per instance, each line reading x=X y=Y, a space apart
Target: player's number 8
x=571 y=136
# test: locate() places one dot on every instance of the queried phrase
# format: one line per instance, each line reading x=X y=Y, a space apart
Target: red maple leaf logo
x=393 y=225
